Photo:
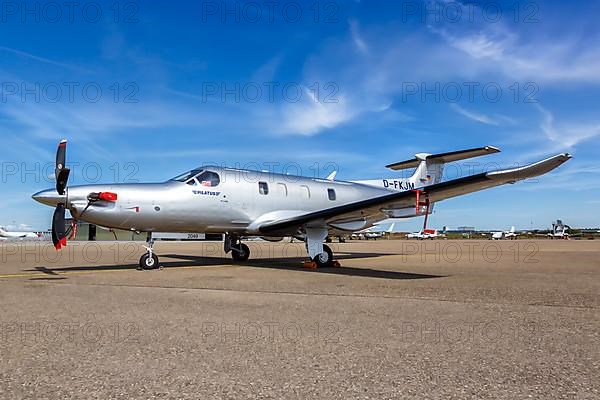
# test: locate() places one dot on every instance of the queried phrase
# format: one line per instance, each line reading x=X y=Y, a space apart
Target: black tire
x=243 y=255
x=147 y=262
x=325 y=259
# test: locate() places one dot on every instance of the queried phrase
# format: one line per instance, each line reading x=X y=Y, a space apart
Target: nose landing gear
x=149 y=260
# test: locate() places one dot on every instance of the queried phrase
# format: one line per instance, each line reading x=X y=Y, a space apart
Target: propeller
x=61 y=172
x=59 y=234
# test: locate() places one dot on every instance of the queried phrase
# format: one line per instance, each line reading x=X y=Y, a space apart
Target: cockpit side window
x=209 y=179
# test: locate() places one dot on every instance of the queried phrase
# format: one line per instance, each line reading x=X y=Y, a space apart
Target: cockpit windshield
x=199 y=177
x=188 y=175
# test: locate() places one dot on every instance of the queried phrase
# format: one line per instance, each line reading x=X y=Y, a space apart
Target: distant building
x=462 y=229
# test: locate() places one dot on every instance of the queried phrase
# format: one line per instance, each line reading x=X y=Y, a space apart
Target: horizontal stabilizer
x=443 y=157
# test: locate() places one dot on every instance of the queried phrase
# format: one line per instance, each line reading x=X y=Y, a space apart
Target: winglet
x=531 y=170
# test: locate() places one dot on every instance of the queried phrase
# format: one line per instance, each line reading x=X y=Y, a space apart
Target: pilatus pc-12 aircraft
x=242 y=203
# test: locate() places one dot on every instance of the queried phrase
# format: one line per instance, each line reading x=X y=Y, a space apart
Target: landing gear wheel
x=149 y=262
x=325 y=259
x=242 y=255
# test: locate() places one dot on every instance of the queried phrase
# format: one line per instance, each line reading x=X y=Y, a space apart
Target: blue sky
x=147 y=90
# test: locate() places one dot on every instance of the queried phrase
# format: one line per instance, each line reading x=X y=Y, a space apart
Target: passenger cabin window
x=331 y=194
x=305 y=191
x=282 y=189
x=263 y=188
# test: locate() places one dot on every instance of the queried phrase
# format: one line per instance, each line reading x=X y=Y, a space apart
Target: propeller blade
x=59 y=236
x=61 y=171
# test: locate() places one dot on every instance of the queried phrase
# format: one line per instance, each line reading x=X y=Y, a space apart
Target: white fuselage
x=240 y=203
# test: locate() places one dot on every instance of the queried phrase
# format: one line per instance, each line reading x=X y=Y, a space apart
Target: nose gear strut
x=149 y=260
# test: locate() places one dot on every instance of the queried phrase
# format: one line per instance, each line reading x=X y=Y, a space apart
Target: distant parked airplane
x=424 y=234
x=373 y=233
x=559 y=230
x=17 y=235
x=511 y=235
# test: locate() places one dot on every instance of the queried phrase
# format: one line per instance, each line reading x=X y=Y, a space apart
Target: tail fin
x=430 y=167
x=512 y=229
x=428 y=172
x=391 y=228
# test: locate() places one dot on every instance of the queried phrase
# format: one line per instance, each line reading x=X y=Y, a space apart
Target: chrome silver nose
x=49 y=197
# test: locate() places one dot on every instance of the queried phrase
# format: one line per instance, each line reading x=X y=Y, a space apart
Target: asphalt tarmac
x=436 y=319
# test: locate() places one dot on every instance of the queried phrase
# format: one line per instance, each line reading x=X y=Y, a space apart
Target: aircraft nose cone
x=49 y=197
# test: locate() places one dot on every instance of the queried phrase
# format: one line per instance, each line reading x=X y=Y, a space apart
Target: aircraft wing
x=374 y=208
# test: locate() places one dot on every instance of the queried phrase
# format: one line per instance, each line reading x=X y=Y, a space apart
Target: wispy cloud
x=268 y=70
x=312 y=115
x=482 y=118
x=567 y=134
x=499 y=47
x=43 y=59
x=358 y=40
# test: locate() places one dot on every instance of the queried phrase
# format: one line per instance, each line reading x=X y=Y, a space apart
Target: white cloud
x=567 y=134
x=359 y=42
x=499 y=47
x=481 y=118
x=311 y=115
x=268 y=70
x=42 y=59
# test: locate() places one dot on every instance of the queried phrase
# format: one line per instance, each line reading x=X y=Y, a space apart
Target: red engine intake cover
x=108 y=196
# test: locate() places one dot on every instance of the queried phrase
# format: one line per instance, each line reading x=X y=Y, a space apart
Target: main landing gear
x=320 y=254
x=239 y=251
x=150 y=259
